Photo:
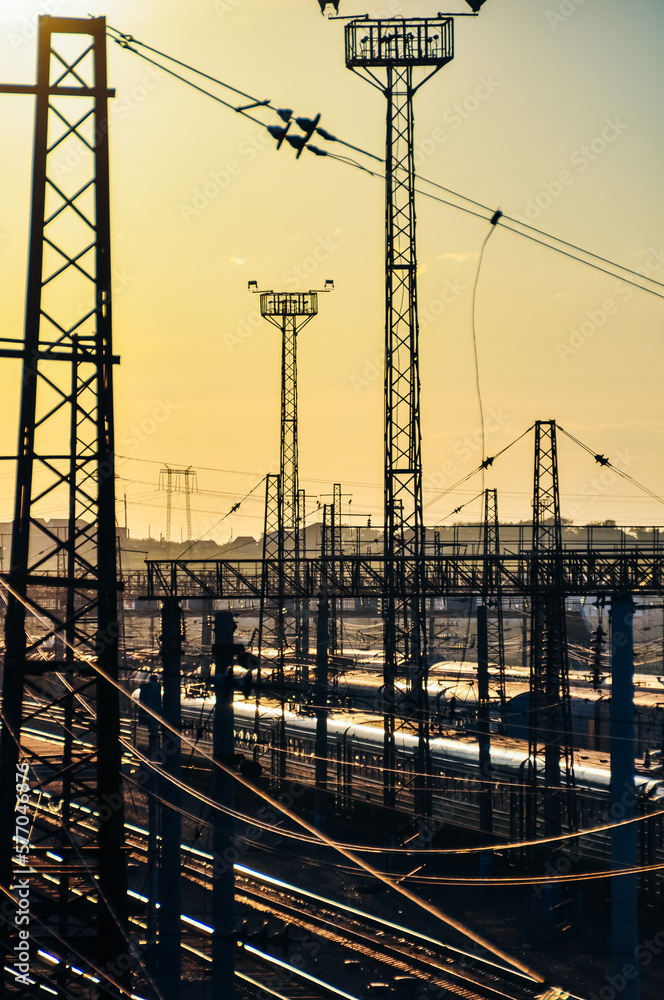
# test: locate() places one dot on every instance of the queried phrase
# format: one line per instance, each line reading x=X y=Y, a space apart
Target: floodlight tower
x=290 y=312
x=400 y=46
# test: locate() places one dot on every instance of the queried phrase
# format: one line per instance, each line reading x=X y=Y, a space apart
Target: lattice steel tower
x=550 y=735
x=64 y=577
x=331 y=547
x=492 y=599
x=177 y=481
x=290 y=312
x=400 y=46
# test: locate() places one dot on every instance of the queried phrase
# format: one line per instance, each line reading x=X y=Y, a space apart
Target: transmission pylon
x=550 y=730
x=400 y=46
x=66 y=580
x=177 y=481
x=290 y=312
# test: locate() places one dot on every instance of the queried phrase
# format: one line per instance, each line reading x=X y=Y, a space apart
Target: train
x=452 y=690
x=354 y=786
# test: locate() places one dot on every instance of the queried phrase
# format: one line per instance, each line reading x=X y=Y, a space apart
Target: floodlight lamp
x=252 y=284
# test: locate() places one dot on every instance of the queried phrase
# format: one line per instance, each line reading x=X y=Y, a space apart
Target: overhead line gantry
x=66 y=458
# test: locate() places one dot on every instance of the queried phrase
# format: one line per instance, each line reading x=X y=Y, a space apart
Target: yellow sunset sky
x=550 y=111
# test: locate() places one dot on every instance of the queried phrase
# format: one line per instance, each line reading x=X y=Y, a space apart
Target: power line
x=603 y=460
x=494 y=221
x=280 y=133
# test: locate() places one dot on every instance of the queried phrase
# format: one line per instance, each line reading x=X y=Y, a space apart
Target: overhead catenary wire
x=494 y=222
x=483 y=465
x=128 y=42
x=604 y=461
x=285 y=810
x=70 y=949
x=355 y=847
x=438 y=880
x=228 y=513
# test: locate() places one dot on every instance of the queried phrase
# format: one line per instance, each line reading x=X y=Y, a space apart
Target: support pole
x=223 y=748
x=524 y=635
x=206 y=624
x=484 y=736
x=624 y=893
x=322 y=641
x=151 y=696
x=170 y=901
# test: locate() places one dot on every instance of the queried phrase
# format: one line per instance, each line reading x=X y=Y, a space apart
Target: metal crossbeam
x=639 y=571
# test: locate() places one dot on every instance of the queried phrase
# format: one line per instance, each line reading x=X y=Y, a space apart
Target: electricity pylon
x=177 y=481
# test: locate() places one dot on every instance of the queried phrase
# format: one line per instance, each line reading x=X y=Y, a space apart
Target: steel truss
x=550 y=729
x=271 y=630
x=270 y=621
x=492 y=598
x=639 y=570
x=177 y=481
x=331 y=546
x=290 y=312
x=400 y=46
x=62 y=576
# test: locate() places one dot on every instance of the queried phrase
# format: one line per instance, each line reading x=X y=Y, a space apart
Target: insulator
x=278 y=133
x=308 y=125
x=326 y=135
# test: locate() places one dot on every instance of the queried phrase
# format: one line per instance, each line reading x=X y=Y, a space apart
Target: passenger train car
x=355 y=776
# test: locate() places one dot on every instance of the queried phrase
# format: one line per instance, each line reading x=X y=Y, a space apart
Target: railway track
x=401 y=951
x=387 y=952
